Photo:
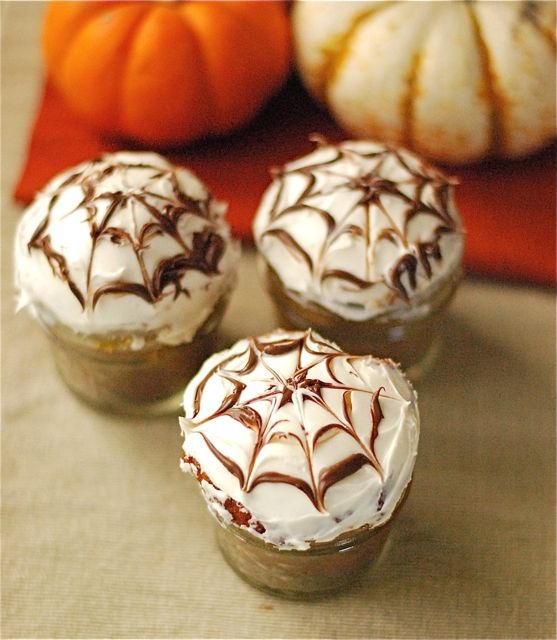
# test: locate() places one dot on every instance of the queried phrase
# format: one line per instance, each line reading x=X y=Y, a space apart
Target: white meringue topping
x=360 y=228
x=297 y=441
x=125 y=243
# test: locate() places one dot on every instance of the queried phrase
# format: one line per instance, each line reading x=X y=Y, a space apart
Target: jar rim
x=343 y=541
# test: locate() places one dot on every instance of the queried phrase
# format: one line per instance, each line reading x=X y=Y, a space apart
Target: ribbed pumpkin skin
x=166 y=72
x=457 y=81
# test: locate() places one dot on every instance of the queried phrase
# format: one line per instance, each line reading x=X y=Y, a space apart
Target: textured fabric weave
x=103 y=537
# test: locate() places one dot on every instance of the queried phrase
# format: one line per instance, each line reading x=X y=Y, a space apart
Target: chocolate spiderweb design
x=165 y=212
x=299 y=388
x=365 y=176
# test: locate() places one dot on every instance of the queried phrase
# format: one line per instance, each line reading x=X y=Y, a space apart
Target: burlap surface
x=103 y=537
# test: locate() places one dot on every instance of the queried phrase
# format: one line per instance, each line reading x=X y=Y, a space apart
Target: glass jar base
x=170 y=406
x=129 y=372
x=416 y=355
x=300 y=575
x=130 y=382
x=290 y=594
x=421 y=368
x=413 y=341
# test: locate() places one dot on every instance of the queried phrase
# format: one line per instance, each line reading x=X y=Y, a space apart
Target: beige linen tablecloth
x=103 y=536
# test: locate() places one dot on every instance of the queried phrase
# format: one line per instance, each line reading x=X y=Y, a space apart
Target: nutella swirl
x=125 y=242
x=359 y=228
x=297 y=440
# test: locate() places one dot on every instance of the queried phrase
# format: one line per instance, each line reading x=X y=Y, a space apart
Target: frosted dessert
x=362 y=241
x=301 y=451
x=127 y=262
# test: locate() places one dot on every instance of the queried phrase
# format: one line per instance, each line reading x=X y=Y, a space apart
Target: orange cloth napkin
x=508 y=206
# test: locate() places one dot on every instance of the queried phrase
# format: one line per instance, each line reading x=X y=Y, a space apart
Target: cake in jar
x=304 y=454
x=362 y=241
x=127 y=263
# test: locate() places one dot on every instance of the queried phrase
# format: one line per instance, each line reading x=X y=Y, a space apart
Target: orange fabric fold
x=508 y=207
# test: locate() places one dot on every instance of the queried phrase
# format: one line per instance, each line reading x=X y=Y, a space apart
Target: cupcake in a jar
x=363 y=242
x=304 y=455
x=127 y=263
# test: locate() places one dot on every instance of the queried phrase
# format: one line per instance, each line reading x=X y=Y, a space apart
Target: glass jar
x=129 y=373
x=301 y=574
x=411 y=340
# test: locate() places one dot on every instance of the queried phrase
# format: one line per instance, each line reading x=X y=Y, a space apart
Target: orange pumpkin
x=166 y=72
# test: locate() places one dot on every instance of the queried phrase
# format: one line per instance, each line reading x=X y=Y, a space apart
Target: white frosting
x=149 y=190
x=285 y=440
x=359 y=207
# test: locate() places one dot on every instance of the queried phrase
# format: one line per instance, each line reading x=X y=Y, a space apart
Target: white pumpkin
x=456 y=80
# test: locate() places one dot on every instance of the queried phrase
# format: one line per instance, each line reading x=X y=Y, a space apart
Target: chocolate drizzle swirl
x=262 y=413
x=369 y=175
x=202 y=252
